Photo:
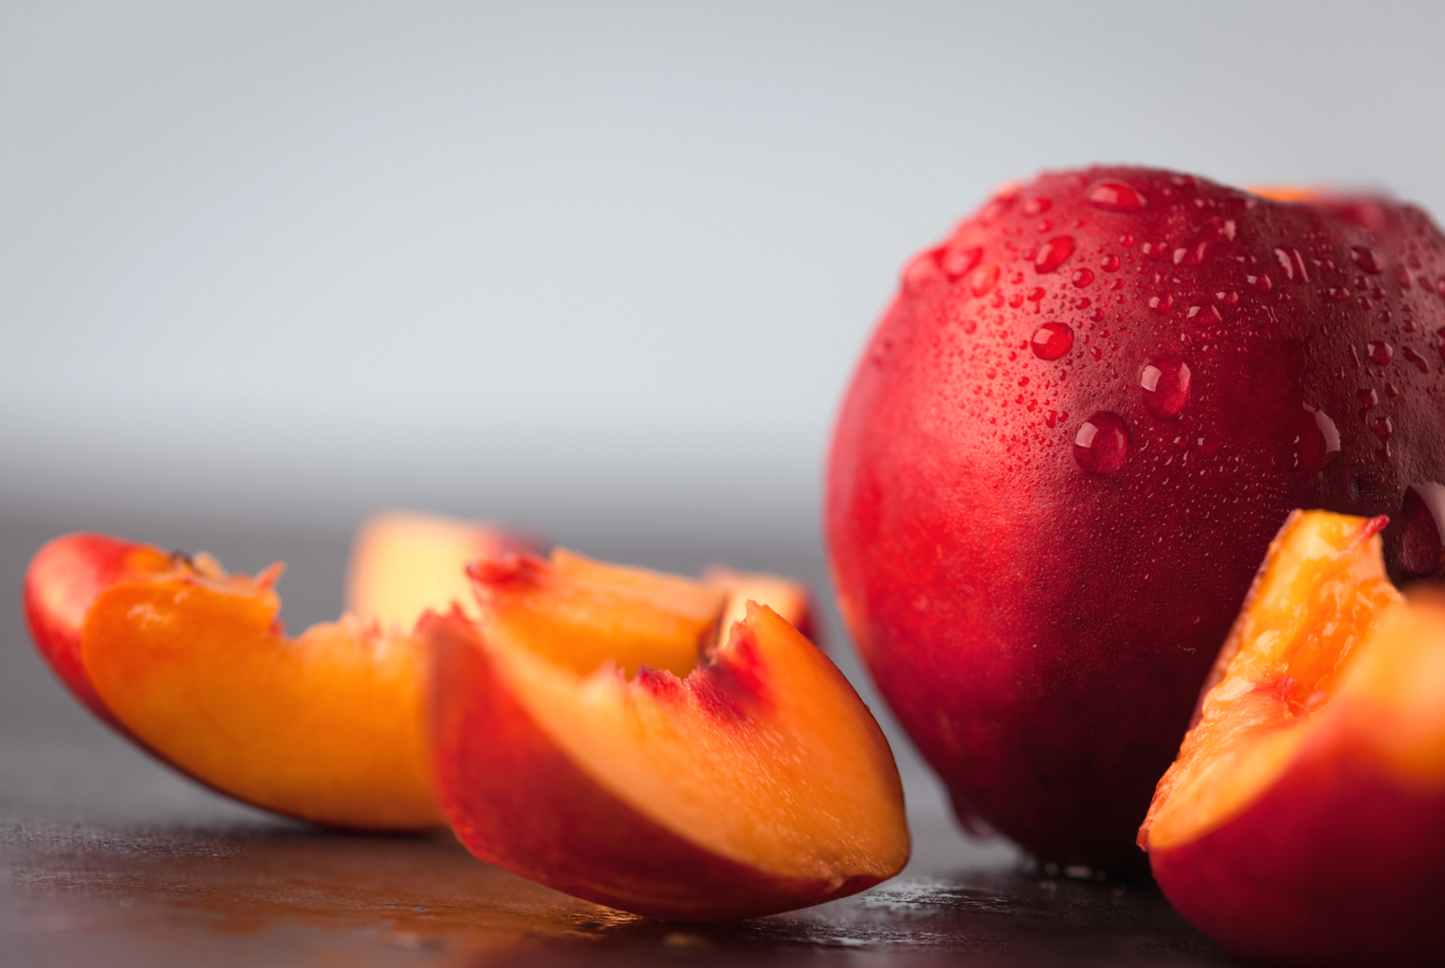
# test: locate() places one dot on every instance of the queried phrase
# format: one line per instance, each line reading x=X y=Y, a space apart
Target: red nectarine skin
x=1336 y=864
x=1069 y=443
x=516 y=800
x=63 y=579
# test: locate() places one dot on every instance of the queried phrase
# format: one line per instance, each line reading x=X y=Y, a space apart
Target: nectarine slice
x=746 y=780
x=1304 y=820
x=405 y=562
x=191 y=664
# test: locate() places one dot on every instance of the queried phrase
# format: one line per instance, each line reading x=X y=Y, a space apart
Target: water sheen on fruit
x=1040 y=610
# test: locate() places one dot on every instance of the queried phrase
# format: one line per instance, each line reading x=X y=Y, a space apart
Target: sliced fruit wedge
x=191 y=663
x=1304 y=820
x=721 y=780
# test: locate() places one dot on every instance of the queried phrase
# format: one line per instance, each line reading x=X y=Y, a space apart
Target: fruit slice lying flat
x=405 y=562
x=1304 y=821
x=758 y=783
x=192 y=664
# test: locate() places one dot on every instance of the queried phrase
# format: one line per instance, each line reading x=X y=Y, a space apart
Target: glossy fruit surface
x=1069 y=444
x=1304 y=819
x=750 y=779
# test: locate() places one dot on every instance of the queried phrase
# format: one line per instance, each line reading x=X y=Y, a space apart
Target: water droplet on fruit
x=1366 y=258
x=1036 y=293
x=1391 y=390
x=957 y=262
x=1052 y=340
x=1383 y=428
x=1319 y=446
x=1161 y=304
x=1037 y=206
x=1368 y=399
x=1053 y=253
x=1113 y=195
x=996 y=208
x=1381 y=353
x=1206 y=237
x=982 y=280
x=1422 y=527
x=922 y=272
x=1082 y=277
x=1102 y=444
x=1110 y=263
x=1292 y=263
x=1420 y=363
x=1166 y=381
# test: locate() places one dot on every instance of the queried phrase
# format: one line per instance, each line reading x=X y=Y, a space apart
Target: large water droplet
x=1052 y=340
x=1102 y=444
x=1318 y=445
x=1082 y=278
x=1292 y=263
x=997 y=207
x=1381 y=353
x=1366 y=258
x=1422 y=528
x=1037 y=206
x=982 y=280
x=1053 y=253
x=1206 y=237
x=922 y=272
x=956 y=261
x=1110 y=263
x=1112 y=195
x=1166 y=381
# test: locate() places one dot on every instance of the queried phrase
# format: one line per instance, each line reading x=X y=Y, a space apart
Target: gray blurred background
x=598 y=270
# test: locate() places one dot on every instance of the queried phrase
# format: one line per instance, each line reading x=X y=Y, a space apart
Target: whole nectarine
x=1069 y=443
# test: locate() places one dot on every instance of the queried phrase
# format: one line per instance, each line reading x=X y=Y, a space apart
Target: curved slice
x=326 y=727
x=1304 y=821
x=62 y=582
x=759 y=783
x=405 y=562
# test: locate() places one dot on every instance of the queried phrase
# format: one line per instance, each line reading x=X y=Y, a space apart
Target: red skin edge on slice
x=1338 y=863
x=515 y=800
x=61 y=583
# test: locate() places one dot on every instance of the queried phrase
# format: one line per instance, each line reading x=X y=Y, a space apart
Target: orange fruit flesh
x=786 y=596
x=403 y=563
x=1307 y=626
x=326 y=727
x=761 y=752
x=580 y=613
